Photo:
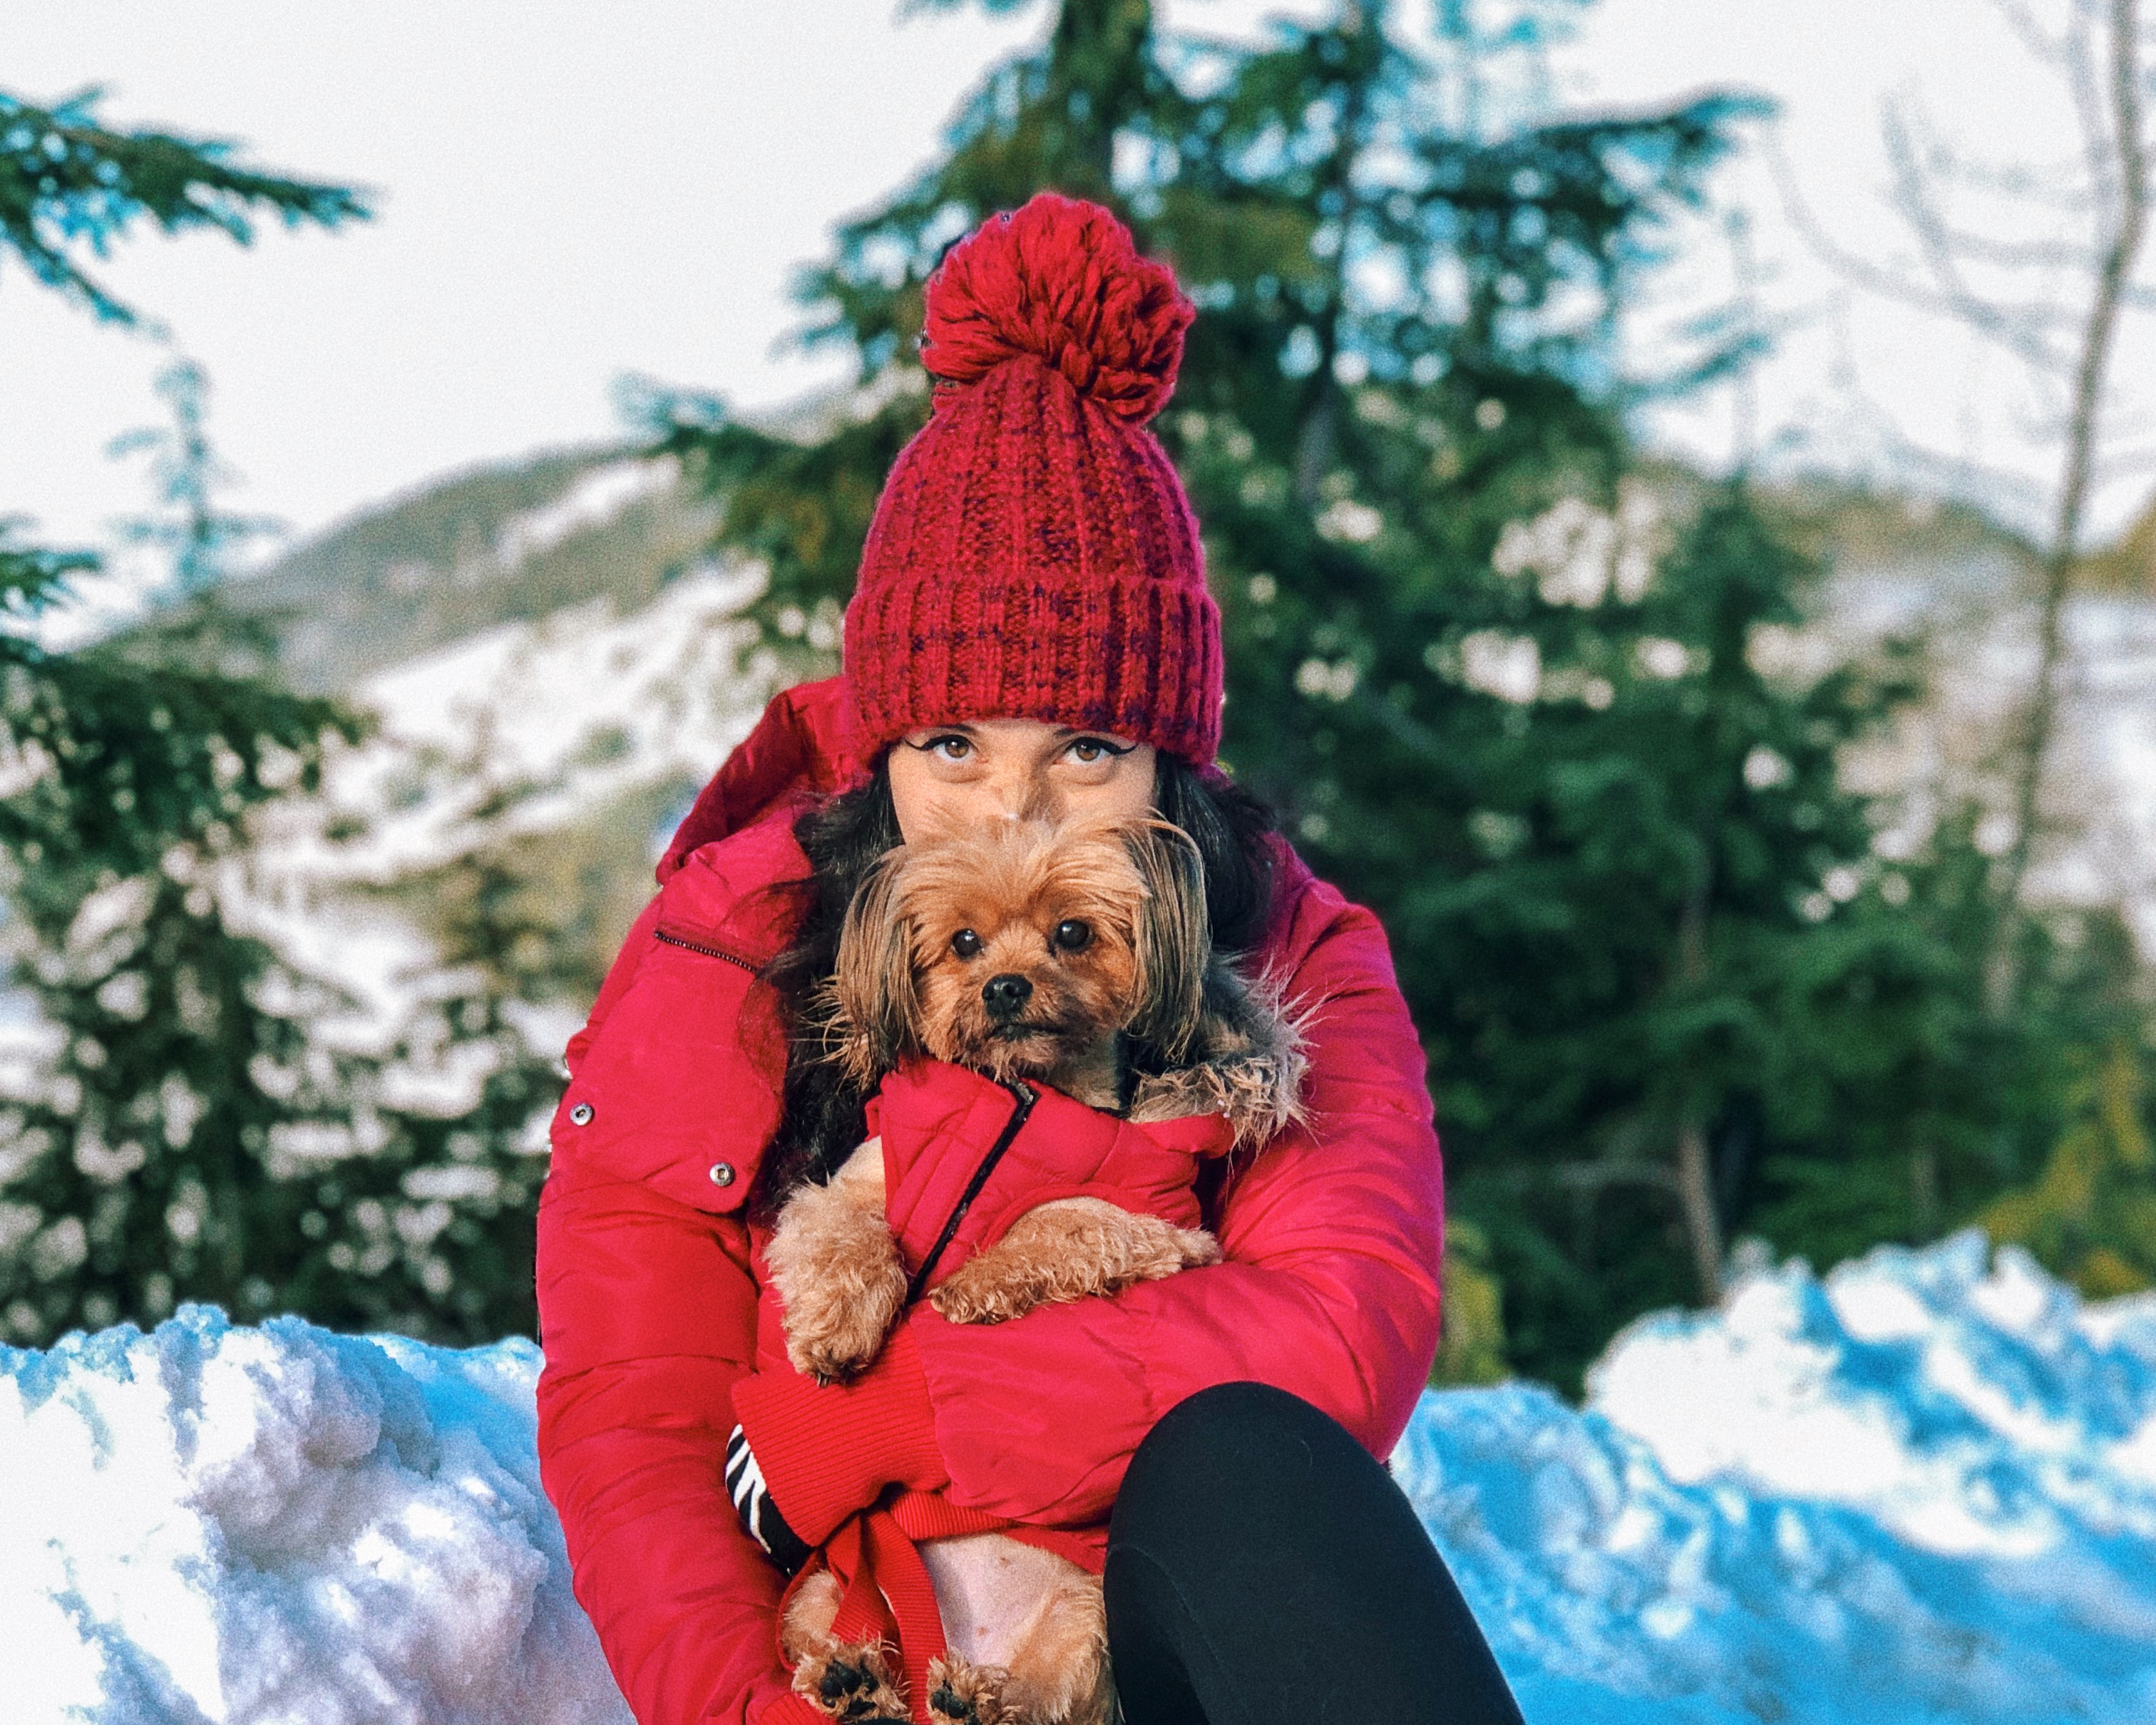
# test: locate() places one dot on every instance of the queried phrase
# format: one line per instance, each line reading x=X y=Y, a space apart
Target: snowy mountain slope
x=1923 y=1490
x=507 y=543
x=523 y=726
x=533 y=732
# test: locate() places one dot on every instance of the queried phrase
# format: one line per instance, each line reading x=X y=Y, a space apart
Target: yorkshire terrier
x=1078 y=957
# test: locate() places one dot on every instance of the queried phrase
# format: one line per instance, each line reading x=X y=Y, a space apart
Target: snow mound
x=211 y=1522
x=1923 y=1489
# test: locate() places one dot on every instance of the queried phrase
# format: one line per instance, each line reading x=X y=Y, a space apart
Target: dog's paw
x=962 y=1693
x=976 y=1293
x=841 y=1340
x=838 y=1272
x=851 y=1683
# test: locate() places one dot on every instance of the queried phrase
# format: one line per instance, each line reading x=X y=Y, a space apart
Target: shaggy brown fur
x=848 y=1680
x=1069 y=955
x=1065 y=1250
x=1078 y=957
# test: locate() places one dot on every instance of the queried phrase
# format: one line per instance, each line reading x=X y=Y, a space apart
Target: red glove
x=825 y=1451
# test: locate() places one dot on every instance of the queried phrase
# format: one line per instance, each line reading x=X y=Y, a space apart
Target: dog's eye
x=1074 y=936
x=966 y=943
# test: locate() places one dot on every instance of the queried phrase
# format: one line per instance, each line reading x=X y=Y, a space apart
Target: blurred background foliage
x=1691 y=966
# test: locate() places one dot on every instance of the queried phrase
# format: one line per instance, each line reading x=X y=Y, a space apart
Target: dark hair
x=823 y=1116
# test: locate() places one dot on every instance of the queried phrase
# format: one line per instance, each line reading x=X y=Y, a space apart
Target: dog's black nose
x=1005 y=995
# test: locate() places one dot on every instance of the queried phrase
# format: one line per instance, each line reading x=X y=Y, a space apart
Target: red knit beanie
x=1033 y=555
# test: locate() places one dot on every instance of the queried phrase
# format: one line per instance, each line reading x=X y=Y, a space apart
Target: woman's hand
x=760 y=1518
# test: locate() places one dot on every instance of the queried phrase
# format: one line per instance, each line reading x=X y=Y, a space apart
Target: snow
x=515 y=731
x=1922 y=1488
x=592 y=501
x=554 y=716
x=211 y=1522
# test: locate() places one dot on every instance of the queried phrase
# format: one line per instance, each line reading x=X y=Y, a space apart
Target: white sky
x=570 y=190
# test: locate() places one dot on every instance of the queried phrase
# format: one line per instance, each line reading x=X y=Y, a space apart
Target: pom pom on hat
x=1033 y=555
x=1059 y=280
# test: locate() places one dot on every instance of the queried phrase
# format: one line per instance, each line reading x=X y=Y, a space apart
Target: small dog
x=1079 y=956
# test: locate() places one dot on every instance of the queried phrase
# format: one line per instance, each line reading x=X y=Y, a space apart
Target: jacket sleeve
x=1328 y=1286
x=647 y=1314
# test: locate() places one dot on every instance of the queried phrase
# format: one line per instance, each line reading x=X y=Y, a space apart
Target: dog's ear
x=1174 y=939
x=877 y=1005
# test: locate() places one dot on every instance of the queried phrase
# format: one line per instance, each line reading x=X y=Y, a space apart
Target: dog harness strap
x=888 y=1596
x=899 y=1571
x=1025 y=1096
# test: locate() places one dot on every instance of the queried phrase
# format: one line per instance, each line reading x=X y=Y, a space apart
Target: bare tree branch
x=1963 y=475
x=2023 y=22
x=2125 y=465
x=2127 y=174
x=2019 y=329
x=1997 y=325
x=2060 y=186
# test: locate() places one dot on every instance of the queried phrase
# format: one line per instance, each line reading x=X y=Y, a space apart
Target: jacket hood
x=805 y=744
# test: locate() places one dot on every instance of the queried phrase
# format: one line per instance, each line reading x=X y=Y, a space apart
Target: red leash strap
x=888 y=1596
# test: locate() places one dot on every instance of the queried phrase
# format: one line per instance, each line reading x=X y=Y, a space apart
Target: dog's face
x=1025 y=949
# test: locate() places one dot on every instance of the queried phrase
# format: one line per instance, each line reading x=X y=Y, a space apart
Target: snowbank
x=1923 y=1489
x=217 y=1523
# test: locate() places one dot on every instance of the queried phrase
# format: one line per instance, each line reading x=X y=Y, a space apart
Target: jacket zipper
x=1026 y=1097
x=687 y=946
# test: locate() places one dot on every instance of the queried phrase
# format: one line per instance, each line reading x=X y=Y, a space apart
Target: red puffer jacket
x=649 y=1278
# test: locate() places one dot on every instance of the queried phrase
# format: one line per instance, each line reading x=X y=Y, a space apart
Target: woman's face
x=961 y=776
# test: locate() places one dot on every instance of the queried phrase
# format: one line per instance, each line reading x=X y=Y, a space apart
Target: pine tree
x=428 y=1231
x=188 y=1131
x=190 y=526
x=69 y=185
x=134 y=1159
x=2090 y=1215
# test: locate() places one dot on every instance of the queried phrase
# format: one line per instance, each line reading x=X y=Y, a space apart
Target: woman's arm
x=648 y=1318
x=647 y=1309
x=1329 y=1290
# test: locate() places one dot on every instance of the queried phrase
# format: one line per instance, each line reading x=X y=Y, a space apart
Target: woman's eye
x=952 y=748
x=1089 y=749
x=966 y=943
x=1074 y=936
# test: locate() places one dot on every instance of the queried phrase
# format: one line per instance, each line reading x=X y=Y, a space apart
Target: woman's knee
x=1227 y=1449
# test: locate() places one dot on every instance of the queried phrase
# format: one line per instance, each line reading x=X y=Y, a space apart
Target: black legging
x=1264 y=1570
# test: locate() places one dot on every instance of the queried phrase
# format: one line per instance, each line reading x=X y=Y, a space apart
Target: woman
x=1031 y=632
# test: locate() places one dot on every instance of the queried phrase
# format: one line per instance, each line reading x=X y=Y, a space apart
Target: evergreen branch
x=70 y=185
x=32 y=578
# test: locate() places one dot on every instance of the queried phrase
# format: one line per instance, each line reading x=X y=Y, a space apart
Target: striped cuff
x=759 y=1515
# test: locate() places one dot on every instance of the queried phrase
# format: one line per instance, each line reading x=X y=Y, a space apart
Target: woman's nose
x=1025 y=794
